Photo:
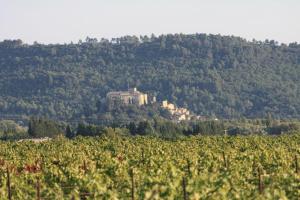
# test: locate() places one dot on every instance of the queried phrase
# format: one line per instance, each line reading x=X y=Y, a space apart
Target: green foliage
x=214 y=167
x=209 y=74
x=158 y=127
x=11 y=130
x=208 y=127
x=119 y=113
x=7 y=126
x=145 y=128
x=283 y=128
x=40 y=127
x=69 y=133
x=89 y=130
x=168 y=129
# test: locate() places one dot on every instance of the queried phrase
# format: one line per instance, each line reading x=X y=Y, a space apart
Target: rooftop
x=131 y=91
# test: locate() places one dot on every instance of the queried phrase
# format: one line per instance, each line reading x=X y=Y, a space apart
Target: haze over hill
x=209 y=74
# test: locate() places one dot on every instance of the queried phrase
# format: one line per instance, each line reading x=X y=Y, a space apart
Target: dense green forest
x=212 y=75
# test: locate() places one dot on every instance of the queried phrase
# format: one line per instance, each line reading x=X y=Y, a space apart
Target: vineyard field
x=115 y=167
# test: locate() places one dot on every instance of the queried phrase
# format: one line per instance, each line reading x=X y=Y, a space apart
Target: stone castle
x=132 y=96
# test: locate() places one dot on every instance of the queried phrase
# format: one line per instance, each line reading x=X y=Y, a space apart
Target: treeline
x=11 y=130
x=209 y=74
x=158 y=127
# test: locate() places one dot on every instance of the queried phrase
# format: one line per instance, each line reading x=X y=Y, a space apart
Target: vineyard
x=206 y=167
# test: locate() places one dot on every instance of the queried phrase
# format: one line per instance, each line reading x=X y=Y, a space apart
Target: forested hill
x=209 y=74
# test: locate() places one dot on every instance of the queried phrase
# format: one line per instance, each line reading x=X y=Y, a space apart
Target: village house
x=178 y=114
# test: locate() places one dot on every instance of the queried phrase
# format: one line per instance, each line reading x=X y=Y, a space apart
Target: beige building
x=132 y=96
x=178 y=114
x=167 y=105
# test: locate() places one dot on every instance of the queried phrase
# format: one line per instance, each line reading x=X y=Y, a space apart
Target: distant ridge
x=225 y=76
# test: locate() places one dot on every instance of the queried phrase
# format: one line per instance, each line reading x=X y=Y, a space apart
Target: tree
x=132 y=128
x=69 y=133
x=269 y=120
x=41 y=127
x=145 y=128
x=89 y=130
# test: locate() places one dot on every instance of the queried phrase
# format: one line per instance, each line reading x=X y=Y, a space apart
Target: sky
x=63 y=21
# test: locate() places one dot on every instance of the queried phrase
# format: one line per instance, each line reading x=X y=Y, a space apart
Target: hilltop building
x=132 y=96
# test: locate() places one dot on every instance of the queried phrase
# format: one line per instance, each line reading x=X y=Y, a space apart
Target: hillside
x=209 y=74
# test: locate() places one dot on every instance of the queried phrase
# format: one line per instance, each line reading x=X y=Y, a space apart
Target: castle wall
x=132 y=96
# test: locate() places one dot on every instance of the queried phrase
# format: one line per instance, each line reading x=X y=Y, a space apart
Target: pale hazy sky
x=63 y=21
